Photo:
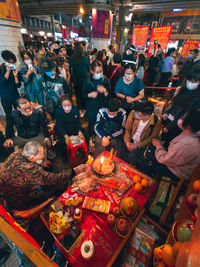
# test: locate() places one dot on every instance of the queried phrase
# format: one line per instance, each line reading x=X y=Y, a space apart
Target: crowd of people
x=109 y=89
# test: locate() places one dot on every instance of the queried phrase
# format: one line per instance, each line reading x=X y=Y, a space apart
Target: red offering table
x=107 y=244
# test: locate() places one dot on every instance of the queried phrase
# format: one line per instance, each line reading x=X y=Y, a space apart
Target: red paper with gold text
x=140 y=37
x=160 y=34
x=188 y=45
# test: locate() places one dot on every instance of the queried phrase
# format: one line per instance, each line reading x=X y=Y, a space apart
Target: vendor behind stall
x=109 y=126
x=67 y=123
x=24 y=182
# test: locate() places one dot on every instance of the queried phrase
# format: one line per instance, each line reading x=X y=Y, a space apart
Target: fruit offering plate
x=128 y=228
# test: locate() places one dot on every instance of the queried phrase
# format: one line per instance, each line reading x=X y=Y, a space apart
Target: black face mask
x=56 y=50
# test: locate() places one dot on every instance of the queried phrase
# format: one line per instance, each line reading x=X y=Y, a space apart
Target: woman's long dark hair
x=95 y=63
x=171 y=50
x=193 y=75
x=141 y=61
x=78 y=53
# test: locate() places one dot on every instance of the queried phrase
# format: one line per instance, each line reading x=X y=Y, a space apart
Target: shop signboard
x=140 y=37
x=159 y=35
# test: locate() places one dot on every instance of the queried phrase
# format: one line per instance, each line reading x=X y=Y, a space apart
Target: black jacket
x=27 y=126
x=8 y=88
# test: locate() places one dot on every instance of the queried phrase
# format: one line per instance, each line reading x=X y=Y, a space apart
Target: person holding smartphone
x=9 y=82
x=31 y=76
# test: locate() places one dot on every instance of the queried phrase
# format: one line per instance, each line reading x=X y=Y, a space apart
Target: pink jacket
x=182 y=157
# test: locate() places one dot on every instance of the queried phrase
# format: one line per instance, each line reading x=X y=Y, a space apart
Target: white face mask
x=39 y=161
x=28 y=62
x=128 y=77
x=191 y=86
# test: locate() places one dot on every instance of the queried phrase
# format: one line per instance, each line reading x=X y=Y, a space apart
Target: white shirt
x=141 y=126
x=110 y=55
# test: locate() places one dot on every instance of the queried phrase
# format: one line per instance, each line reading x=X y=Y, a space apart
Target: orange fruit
x=138 y=187
x=136 y=179
x=168 y=256
x=157 y=253
x=176 y=248
x=196 y=185
x=161 y=264
x=145 y=182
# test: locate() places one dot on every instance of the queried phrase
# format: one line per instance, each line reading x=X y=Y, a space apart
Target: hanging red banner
x=140 y=37
x=161 y=36
x=188 y=45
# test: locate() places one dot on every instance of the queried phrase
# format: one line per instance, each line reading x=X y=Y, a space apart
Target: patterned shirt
x=21 y=180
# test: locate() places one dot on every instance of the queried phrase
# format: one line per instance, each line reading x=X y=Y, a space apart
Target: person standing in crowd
x=99 y=56
x=93 y=54
x=67 y=123
x=31 y=76
x=140 y=68
x=40 y=56
x=192 y=61
x=187 y=98
x=96 y=91
x=52 y=53
x=129 y=56
x=129 y=88
x=79 y=68
x=110 y=54
x=109 y=126
x=182 y=156
x=167 y=67
x=29 y=122
x=24 y=182
x=84 y=47
x=141 y=127
x=115 y=71
x=9 y=82
x=54 y=86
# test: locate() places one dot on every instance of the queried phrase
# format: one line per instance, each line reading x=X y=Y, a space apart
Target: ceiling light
x=41 y=33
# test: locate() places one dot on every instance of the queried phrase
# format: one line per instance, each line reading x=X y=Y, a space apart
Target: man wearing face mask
x=141 y=127
x=29 y=122
x=25 y=183
x=31 y=76
x=109 y=126
x=186 y=98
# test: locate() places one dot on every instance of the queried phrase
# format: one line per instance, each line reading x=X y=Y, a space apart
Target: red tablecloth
x=105 y=239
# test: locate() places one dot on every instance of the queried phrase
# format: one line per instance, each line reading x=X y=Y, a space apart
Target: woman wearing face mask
x=79 y=69
x=167 y=67
x=187 y=98
x=129 y=88
x=182 y=155
x=54 y=86
x=31 y=76
x=96 y=91
x=67 y=122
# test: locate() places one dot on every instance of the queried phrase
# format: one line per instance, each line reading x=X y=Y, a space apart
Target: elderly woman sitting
x=24 y=182
x=183 y=154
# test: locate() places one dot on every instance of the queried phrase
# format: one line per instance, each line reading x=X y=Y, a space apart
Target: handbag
x=149 y=155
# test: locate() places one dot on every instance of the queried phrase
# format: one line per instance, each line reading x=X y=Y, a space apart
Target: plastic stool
x=77 y=153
